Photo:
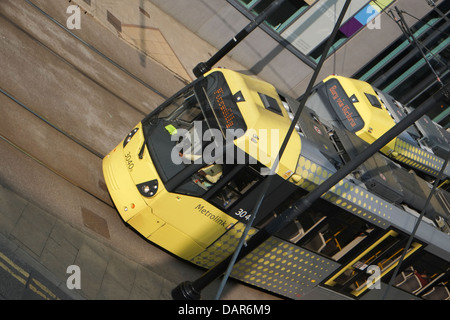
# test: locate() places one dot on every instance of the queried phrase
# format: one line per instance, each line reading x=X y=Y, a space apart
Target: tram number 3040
x=129 y=161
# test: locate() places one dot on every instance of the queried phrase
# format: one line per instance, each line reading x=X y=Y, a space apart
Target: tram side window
x=324 y=229
x=298 y=228
x=338 y=235
x=240 y=184
x=384 y=253
x=302 y=226
x=426 y=276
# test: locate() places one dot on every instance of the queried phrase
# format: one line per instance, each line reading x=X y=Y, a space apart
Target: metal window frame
x=246 y=10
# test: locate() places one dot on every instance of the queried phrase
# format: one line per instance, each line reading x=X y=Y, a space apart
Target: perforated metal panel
x=419 y=159
x=276 y=265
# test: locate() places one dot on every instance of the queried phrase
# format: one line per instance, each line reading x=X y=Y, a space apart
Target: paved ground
x=67 y=98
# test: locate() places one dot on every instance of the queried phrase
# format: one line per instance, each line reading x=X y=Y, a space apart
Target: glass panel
x=289 y=10
x=175 y=134
x=161 y=128
x=313 y=27
x=248 y=3
x=427 y=276
x=400 y=78
x=237 y=187
x=382 y=255
x=332 y=235
x=387 y=58
x=201 y=181
x=340 y=234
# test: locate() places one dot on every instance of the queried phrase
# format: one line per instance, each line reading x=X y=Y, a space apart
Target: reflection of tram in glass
x=185 y=185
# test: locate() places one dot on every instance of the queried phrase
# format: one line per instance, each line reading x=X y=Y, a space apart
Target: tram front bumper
x=135 y=211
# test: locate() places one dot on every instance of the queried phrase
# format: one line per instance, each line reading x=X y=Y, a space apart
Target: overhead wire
x=282 y=148
x=416 y=227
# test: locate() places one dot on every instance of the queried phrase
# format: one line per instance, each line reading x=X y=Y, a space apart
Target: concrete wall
x=216 y=21
x=154 y=34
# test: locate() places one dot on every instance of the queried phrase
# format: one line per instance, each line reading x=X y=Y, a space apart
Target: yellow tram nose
x=121 y=186
x=135 y=211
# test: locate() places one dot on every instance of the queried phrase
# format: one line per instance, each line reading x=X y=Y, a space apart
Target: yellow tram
x=187 y=176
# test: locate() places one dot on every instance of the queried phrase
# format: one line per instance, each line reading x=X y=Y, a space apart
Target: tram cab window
x=168 y=130
x=202 y=180
x=179 y=131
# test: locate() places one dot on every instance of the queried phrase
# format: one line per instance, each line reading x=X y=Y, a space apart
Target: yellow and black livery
x=174 y=182
x=169 y=202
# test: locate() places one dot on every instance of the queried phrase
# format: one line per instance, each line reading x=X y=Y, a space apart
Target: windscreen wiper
x=141 y=152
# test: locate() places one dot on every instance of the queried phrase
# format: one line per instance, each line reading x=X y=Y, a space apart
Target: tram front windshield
x=205 y=104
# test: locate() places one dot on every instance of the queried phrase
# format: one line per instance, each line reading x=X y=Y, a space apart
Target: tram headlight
x=148 y=189
x=129 y=137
